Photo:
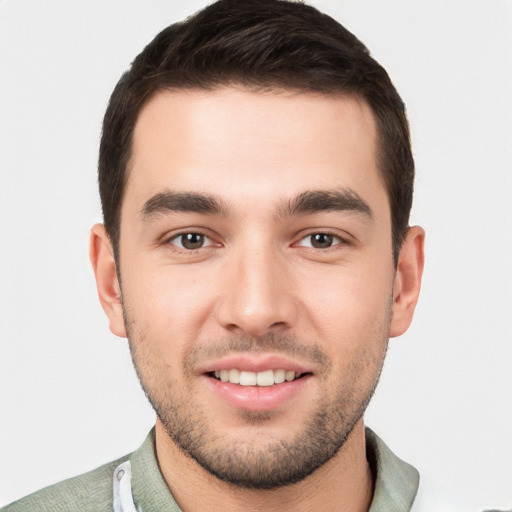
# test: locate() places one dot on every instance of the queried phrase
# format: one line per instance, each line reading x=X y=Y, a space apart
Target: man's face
x=256 y=247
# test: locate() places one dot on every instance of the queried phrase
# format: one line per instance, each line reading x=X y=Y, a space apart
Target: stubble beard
x=259 y=462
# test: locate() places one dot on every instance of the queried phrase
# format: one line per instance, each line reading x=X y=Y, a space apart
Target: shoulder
x=88 y=492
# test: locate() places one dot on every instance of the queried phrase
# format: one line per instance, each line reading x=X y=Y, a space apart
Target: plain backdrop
x=69 y=398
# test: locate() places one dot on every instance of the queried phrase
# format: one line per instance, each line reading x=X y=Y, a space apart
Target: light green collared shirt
x=134 y=483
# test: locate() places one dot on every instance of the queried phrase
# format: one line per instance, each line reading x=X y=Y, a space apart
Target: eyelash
x=336 y=240
x=174 y=237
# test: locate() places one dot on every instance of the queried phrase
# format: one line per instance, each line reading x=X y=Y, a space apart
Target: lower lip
x=258 y=398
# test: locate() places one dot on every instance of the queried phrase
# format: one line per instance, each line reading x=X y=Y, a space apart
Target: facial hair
x=259 y=462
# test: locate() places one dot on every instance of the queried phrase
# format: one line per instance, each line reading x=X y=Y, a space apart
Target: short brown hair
x=263 y=45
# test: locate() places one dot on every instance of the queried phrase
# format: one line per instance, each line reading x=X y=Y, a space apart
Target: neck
x=345 y=482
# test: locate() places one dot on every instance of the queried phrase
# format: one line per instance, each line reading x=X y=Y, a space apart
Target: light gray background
x=69 y=397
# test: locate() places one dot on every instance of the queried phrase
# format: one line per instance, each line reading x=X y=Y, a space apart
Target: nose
x=258 y=293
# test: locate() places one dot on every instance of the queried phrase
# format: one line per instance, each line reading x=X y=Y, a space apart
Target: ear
x=103 y=263
x=407 y=283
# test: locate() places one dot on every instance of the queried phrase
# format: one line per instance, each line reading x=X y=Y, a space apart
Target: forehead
x=239 y=144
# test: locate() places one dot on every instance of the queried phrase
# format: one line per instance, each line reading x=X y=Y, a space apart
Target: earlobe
x=407 y=282
x=104 y=265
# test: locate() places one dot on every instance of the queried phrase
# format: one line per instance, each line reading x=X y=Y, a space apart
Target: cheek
x=167 y=303
x=345 y=303
x=353 y=321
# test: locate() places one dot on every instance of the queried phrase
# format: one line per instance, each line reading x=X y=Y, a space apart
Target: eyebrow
x=309 y=202
x=170 y=201
x=313 y=201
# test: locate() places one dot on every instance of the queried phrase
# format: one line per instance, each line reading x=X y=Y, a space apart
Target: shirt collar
x=396 y=482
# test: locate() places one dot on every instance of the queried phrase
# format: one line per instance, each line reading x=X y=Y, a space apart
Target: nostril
x=235 y=329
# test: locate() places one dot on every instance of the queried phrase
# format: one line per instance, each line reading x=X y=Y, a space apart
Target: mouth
x=263 y=378
x=258 y=382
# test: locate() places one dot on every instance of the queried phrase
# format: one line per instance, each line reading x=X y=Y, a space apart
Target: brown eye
x=321 y=240
x=190 y=241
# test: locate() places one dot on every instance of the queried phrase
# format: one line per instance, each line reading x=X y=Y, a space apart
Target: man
x=256 y=181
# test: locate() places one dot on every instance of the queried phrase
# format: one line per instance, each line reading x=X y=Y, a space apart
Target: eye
x=191 y=241
x=320 y=241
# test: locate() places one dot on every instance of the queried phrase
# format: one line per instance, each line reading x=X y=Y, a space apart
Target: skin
x=258 y=279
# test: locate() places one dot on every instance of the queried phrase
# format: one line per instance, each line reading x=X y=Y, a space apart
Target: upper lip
x=254 y=363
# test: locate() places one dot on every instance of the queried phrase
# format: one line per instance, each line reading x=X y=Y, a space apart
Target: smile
x=263 y=378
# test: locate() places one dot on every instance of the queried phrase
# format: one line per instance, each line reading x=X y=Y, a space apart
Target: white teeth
x=265 y=378
x=289 y=376
x=234 y=376
x=279 y=376
x=248 y=378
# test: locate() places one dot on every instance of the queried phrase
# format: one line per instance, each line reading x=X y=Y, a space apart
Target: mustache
x=282 y=344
